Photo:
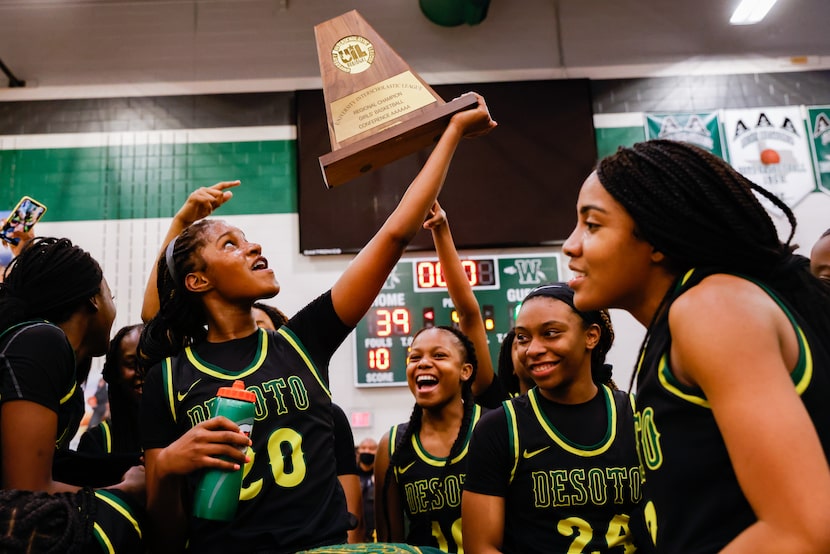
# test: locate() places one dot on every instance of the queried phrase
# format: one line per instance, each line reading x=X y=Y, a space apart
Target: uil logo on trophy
x=353 y=54
x=378 y=109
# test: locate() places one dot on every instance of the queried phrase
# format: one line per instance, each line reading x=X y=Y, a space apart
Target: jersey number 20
x=285 y=456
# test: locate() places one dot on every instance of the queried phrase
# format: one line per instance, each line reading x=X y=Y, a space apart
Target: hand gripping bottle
x=218 y=492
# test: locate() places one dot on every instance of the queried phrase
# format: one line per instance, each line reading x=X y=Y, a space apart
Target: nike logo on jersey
x=527 y=454
x=405 y=468
x=181 y=395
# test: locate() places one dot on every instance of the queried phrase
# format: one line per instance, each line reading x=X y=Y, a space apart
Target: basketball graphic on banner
x=769 y=146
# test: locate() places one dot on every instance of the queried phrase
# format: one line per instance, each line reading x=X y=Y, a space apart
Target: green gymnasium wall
x=137 y=158
x=610 y=138
x=149 y=180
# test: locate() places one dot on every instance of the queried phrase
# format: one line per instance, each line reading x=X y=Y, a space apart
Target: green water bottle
x=218 y=492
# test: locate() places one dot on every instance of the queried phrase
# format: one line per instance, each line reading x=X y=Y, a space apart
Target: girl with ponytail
x=436 y=437
x=734 y=373
x=420 y=465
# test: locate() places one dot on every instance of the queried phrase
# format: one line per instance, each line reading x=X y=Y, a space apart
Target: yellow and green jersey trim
x=106 y=434
x=512 y=435
x=425 y=456
x=167 y=380
x=568 y=445
x=435 y=461
x=801 y=375
x=221 y=373
x=123 y=509
x=292 y=339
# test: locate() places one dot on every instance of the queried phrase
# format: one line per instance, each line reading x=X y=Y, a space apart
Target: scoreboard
x=415 y=296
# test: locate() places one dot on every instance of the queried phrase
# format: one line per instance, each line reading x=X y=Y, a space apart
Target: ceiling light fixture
x=750 y=12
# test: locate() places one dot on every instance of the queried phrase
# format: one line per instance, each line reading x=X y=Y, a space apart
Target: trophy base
x=393 y=143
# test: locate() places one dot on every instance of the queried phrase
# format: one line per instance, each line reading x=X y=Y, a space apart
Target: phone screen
x=22 y=218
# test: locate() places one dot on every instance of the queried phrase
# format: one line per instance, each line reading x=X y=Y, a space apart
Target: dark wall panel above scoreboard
x=514 y=188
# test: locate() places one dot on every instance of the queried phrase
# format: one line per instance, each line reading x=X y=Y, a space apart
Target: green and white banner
x=819 y=120
x=769 y=146
x=700 y=129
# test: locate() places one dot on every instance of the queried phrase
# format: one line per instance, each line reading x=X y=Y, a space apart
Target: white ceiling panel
x=99 y=42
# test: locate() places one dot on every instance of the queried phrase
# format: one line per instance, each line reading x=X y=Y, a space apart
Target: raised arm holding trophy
x=378 y=109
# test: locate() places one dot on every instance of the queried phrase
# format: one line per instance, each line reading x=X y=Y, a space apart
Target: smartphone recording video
x=22 y=218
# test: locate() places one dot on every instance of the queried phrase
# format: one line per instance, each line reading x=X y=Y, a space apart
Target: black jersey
x=343 y=442
x=430 y=489
x=692 y=499
x=97 y=439
x=91 y=467
x=37 y=364
x=103 y=464
x=560 y=495
x=290 y=496
x=117 y=528
x=493 y=395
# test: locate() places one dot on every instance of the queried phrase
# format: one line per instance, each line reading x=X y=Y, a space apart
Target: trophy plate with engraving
x=378 y=109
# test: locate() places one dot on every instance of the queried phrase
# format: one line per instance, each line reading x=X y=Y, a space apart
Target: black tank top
x=692 y=499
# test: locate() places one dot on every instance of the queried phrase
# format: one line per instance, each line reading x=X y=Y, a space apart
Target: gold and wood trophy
x=378 y=109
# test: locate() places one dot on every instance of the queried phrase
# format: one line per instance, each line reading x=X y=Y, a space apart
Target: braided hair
x=600 y=371
x=413 y=427
x=505 y=371
x=181 y=319
x=50 y=279
x=701 y=213
x=820 y=258
x=36 y=521
x=126 y=435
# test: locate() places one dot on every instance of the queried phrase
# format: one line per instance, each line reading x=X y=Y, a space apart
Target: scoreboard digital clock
x=415 y=296
x=480 y=273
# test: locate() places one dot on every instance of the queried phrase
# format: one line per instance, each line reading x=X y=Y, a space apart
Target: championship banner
x=769 y=146
x=819 y=120
x=700 y=129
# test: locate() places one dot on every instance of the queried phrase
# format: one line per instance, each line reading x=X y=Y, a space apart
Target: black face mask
x=367 y=458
